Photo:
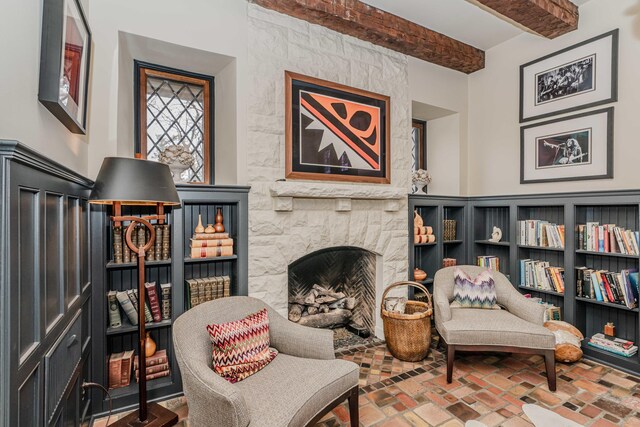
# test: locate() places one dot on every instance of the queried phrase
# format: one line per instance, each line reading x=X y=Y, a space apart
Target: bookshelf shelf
x=452 y=242
x=189 y=260
x=426 y=282
x=132 y=388
x=490 y=243
x=542 y=291
x=541 y=248
x=607 y=304
x=113 y=266
x=629 y=364
x=607 y=254
x=425 y=244
x=128 y=327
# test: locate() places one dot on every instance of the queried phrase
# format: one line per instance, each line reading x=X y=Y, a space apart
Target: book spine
x=211 y=243
x=153 y=301
x=115 y=320
x=165 y=290
x=211 y=252
x=157 y=359
x=126 y=252
x=154 y=369
x=115 y=370
x=142 y=235
x=157 y=247
x=117 y=245
x=209 y=236
x=128 y=308
x=154 y=376
x=166 y=241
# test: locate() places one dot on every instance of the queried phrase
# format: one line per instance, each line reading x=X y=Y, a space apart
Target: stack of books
x=535 y=232
x=120 y=369
x=128 y=300
x=157 y=366
x=449 y=229
x=423 y=234
x=489 y=261
x=207 y=289
x=607 y=238
x=540 y=275
x=605 y=286
x=617 y=346
x=209 y=245
x=449 y=262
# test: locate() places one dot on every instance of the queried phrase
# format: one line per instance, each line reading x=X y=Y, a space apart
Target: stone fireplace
x=291 y=220
x=334 y=287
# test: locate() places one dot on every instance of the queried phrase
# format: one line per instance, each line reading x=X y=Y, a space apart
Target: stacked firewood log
x=321 y=308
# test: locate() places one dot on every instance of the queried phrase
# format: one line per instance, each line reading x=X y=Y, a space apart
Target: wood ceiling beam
x=365 y=22
x=549 y=18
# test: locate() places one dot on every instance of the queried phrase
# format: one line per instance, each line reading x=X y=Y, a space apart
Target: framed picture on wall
x=581 y=76
x=64 y=62
x=335 y=132
x=568 y=149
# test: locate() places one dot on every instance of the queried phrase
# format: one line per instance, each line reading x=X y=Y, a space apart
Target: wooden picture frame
x=574 y=148
x=143 y=70
x=335 y=132
x=580 y=76
x=65 y=59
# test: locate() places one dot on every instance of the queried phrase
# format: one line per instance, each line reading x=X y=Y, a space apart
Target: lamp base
x=157 y=416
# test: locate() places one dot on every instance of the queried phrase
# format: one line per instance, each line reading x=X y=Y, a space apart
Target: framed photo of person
x=335 y=132
x=581 y=76
x=568 y=149
x=64 y=62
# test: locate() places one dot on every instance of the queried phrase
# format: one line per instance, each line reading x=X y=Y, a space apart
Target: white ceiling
x=458 y=19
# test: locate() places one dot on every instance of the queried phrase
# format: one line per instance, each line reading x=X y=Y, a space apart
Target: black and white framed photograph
x=581 y=76
x=64 y=62
x=571 y=148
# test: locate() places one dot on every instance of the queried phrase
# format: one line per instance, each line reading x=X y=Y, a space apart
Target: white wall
x=22 y=117
x=212 y=27
x=494 y=138
x=435 y=86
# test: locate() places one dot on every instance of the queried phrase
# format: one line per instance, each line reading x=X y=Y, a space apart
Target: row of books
x=160 y=249
x=608 y=238
x=535 y=232
x=122 y=363
x=606 y=286
x=207 y=289
x=551 y=311
x=154 y=310
x=541 y=275
x=209 y=245
x=488 y=261
x=449 y=229
x=618 y=346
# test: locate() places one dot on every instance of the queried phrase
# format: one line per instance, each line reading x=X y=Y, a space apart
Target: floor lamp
x=124 y=181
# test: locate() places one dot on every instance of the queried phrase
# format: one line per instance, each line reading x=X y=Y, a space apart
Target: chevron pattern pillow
x=241 y=347
x=479 y=292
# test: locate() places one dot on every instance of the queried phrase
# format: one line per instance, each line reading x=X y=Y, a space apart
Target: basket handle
x=405 y=283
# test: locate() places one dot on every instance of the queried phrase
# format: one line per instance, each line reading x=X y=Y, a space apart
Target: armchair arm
x=525 y=309
x=211 y=398
x=300 y=341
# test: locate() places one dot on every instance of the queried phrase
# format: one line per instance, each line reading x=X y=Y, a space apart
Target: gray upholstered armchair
x=518 y=329
x=297 y=388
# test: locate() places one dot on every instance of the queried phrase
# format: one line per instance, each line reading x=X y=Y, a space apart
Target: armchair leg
x=354 y=415
x=550 y=364
x=451 y=354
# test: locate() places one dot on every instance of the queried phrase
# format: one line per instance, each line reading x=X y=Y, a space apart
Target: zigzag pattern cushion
x=474 y=293
x=241 y=347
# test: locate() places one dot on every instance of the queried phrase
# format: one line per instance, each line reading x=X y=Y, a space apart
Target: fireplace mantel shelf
x=283 y=193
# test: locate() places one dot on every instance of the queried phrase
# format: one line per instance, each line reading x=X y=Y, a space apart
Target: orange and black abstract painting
x=335 y=132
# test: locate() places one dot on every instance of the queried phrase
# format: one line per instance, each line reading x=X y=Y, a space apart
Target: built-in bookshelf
x=195 y=200
x=429 y=257
x=570 y=210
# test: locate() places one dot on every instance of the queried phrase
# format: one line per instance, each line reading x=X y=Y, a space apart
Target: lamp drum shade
x=134 y=182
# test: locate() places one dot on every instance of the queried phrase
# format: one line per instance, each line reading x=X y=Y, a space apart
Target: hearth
x=334 y=288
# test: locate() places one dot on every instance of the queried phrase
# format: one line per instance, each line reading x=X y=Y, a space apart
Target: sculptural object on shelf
x=421 y=178
x=496 y=235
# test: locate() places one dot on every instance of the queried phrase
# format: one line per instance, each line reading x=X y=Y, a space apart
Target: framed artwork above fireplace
x=335 y=132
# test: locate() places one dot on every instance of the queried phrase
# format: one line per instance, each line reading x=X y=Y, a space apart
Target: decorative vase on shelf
x=209 y=229
x=199 y=227
x=419 y=275
x=178 y=158
x=421 y=178
x=149 y=346
x=219 y=227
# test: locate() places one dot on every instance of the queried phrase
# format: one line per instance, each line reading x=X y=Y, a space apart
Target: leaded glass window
x=175 y=109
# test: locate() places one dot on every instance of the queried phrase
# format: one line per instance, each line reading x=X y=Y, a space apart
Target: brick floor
x=489 y=388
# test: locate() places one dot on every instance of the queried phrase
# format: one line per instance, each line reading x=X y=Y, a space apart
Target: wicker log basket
x=408 y=334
